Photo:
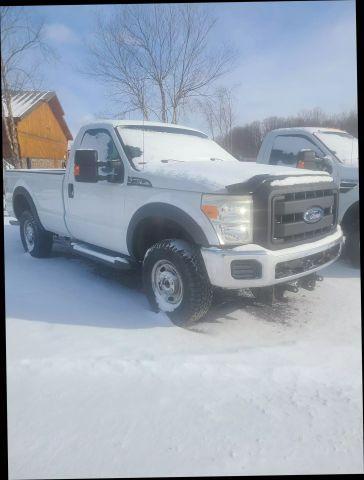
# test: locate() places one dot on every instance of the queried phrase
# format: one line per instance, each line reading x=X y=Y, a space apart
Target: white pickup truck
x=170 y=200
x=329 y=149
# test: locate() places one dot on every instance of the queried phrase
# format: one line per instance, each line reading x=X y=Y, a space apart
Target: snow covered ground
x=99 y=386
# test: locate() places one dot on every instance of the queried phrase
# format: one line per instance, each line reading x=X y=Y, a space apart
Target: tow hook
x=309 y=282
x=268 y=295
x=291 y=287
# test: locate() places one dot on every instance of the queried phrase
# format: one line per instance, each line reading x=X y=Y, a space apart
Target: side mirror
x=85 y=166
x=308 y=159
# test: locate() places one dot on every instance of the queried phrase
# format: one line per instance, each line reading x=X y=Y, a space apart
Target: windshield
x=343 y=145
x=152 y=146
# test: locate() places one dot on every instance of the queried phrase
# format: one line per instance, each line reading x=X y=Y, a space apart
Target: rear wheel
x=37 y=241
x=175 y=281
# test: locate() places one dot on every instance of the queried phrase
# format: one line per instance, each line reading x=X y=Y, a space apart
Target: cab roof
x=141 y=123
x=311 y=129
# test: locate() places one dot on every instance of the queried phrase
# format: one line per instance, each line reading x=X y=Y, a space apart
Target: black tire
x=352 y=247
x=196 y=296
x=41 y=244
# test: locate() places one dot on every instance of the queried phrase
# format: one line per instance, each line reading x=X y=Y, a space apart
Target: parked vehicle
x=168 y=199
x=328 y=149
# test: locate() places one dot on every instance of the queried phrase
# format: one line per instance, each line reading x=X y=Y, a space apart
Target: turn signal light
x=210 y=211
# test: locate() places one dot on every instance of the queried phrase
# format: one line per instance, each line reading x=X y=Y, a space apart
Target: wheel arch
x=351 y=217
x=158 y=221
x=22 y=201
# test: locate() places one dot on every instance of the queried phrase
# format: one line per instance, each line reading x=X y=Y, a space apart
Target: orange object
x=211 y=211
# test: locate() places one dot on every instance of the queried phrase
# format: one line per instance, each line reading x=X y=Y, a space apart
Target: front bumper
x=218 y=261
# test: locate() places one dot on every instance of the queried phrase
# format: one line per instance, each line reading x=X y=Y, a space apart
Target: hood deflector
x=251 y=185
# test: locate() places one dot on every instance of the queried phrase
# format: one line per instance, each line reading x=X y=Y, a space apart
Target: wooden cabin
x=43 y=134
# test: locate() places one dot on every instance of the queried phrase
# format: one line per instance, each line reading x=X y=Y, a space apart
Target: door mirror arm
x=117 y=171
x=327 y=163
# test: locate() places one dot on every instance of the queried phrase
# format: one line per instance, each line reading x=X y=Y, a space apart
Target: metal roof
x=23 y=102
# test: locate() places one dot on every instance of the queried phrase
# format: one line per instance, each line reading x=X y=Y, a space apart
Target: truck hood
x=213 y=177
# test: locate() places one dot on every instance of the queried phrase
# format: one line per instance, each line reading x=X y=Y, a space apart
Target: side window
x=286 y=149
x=101 y=140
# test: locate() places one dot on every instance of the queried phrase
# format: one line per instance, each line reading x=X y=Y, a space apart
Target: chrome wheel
x=167 y=285
x=29 y=234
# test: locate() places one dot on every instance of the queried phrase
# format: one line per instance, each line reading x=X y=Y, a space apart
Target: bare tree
x=206 y=107
x=218 y=112
x=246 y=140
x=155 y=58
x=18 y=37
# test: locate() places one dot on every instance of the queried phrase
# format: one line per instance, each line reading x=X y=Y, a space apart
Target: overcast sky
x=292 y=56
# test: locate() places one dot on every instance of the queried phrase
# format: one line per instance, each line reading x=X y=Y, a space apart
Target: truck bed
x=46 y=189
x=56 y=171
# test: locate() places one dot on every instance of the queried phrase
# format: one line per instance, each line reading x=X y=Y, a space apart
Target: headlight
x=231 y=217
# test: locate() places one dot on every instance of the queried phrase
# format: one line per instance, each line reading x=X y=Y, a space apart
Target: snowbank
x=100 y=386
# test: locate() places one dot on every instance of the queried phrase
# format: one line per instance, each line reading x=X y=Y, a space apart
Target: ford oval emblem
x=313 y=215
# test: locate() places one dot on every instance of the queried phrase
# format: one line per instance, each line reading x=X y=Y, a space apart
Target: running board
x=117 y=261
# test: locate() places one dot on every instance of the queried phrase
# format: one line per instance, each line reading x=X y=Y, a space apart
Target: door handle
x=71 y=191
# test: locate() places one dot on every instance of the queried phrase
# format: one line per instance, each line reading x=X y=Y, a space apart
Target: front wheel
x=35 y=240
x=175 y=281
x=352 y=245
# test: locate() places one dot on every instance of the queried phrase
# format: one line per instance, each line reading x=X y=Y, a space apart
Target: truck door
x=287 y=150
x=94 y=211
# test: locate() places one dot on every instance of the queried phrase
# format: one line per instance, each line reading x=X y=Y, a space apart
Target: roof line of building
x=23 y=102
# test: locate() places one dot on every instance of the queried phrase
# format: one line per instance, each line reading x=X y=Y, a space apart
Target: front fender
x=168 y=212
x=347 y=200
